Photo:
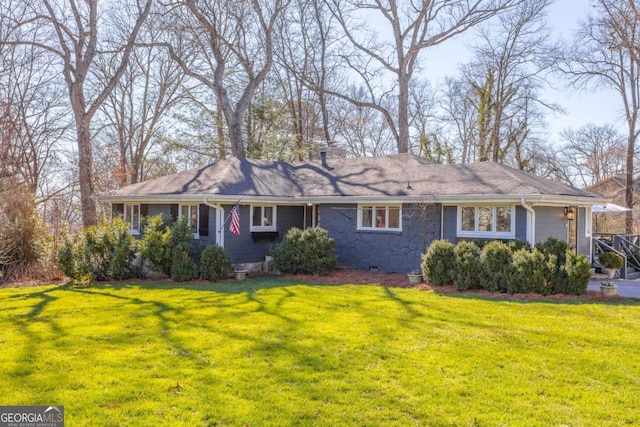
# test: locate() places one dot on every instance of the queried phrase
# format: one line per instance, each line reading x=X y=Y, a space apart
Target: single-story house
x=382 y=211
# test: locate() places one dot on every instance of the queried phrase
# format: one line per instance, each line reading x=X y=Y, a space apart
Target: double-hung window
x=263 y=218
x=132 y=217
x=380 y=217
x=486 y=221
x=191 y=212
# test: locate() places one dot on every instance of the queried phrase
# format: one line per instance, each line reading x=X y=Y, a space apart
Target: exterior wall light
x=569 y=214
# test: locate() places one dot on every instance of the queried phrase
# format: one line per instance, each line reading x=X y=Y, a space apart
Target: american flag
x=235 y=220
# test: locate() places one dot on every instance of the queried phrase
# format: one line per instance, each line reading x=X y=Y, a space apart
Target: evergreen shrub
x=161 y=240
x=183 y=268
x=104 y=252
x=309 y=251
x=550 y=268
x=496 y=259
x=577 y=273
x=611 y=260
x=438 y=263
x=154 y=245
x=467 y=265
x=215 y=264
x=530 y=273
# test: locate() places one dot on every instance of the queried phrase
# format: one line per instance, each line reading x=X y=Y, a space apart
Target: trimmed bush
x=611 y=260
x=531 y=273
x=438 y=263
x=550 y=268
x=555 y=252
x=467 y=266
x=554 y=249
x=577 y=275
x=215 y=263
x=496 y=261
x=516 y=245
x=183 y=268
x=309 y=251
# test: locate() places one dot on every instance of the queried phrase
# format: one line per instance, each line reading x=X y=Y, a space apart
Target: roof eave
x=533 y=199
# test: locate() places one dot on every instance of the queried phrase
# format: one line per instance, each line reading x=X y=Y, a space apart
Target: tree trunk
x=85 y=162
x=235 y=136
x=628 y=191
x=222 y=152
x=403 y=114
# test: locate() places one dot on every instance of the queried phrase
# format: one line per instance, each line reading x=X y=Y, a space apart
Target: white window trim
x=196 y=234
x=272 y=227
x=376 y=207
x=487 y=234
x=128 y=218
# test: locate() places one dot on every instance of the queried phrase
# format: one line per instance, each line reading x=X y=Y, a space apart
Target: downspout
x=219 y=217
x=531 y=229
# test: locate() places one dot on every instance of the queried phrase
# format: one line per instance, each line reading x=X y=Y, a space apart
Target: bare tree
x=413 y=28
x=150 y=87
x=228 y=47
x=362 y=131
x=33 y=120
x=305 y=67
x=460 y=118
x=70 y=31
x=593 y=153
x=298 y=58
x=605 y=54
x=504 y=79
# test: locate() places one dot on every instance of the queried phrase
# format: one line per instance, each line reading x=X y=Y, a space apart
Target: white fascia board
x=200 y=198
x=534 y=200
x=475 y=199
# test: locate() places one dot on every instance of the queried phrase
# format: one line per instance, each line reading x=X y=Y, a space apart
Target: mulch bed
x=401 y=281
x=356 y=277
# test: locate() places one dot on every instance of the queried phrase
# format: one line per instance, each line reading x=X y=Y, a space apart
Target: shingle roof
x=227 y=177
x=397 y=175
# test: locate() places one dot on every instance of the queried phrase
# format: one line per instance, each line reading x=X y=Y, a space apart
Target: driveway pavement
x=626 y=288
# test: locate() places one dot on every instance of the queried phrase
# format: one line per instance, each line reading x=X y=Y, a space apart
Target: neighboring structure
x=382 y=211
x=614 y=189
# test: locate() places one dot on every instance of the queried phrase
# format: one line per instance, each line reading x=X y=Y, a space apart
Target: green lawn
x=266 y=352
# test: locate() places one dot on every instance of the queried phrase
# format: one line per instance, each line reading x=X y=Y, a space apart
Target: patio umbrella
x=606 y=208
x=609 y=207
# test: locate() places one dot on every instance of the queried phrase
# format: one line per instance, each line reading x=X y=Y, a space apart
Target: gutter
x=531 y=229
x=539 y=200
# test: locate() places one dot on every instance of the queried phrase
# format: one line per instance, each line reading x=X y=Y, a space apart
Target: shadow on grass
x=227 y=287
x=25 y=323
x=301 y=364
x=541 y=299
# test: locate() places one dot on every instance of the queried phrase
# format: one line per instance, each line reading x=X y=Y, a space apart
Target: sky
x=582 y=107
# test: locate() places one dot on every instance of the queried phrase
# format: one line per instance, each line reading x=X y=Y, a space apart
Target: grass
x=268 y=352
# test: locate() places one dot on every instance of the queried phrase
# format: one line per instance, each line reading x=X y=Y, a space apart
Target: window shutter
x=174 y=212
x=203 y=227
x=144 y=210
x=117 y=209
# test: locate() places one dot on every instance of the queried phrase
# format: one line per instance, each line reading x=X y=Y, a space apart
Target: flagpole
x=228 y=216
